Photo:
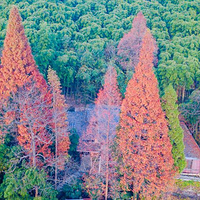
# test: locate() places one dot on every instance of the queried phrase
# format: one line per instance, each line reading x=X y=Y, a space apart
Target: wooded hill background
x=79 y=37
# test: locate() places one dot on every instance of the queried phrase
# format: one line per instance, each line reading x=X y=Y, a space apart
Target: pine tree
x=130 y=45
x=102 y=126
x=142 y=139
x=175 y=131
x=59 y=122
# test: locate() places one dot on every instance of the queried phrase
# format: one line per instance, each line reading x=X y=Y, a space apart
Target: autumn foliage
x=107 y=106
x=17 y=60
x=34 y=119
x=21 y=79
x=107 y=102
x=59 y=122
x=129 y=151
x=102 y=127
x=130 y=45
x=142 y=139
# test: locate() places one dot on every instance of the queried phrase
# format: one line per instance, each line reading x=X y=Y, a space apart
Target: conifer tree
x=29 y=105
x=131 y=43
x=20 y=77
x=59 y=122
x=102 y=126
x=143 y=142
x=175 y=131
x=18 y=65
x=19 y=72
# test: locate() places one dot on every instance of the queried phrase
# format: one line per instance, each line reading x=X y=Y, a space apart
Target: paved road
x=189 y=178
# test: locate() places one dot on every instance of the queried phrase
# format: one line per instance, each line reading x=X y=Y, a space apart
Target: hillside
x=72 y=36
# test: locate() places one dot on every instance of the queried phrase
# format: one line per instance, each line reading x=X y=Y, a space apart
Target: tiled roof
x=192 y=149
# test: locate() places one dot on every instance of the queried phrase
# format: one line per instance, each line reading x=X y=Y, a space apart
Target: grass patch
x=195 y=185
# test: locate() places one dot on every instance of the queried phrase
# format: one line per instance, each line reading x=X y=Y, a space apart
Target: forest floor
x=186 y=194
x=188 y=187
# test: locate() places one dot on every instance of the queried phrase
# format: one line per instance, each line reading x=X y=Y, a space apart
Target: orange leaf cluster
x=59 y=119
x=130 y=45
x=143 y=140
x=102 y=129
x=107 y=106
x=34 y=119
x=18 y=65
x=20 y=79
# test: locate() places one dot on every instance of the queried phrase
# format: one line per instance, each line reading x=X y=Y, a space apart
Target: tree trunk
x=34 y=157
x=100 y=164
x=56 y=162
x=36 y=192
x=33 y=148
x=183 y=94
x=196 y=130
x=178 y=91
x=107 y=175
x=91 y=163
x=56 y=142
x=107 y=156
x=67 y=91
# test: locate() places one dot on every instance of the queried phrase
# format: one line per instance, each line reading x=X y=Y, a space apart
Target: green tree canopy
x=170 y=107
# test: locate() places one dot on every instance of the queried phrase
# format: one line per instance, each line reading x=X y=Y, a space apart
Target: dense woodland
x=72 y=36
x=138 y=61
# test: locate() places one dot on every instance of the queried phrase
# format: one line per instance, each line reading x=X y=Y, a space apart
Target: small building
x=88 y=145
x=88 y=148
x=192 y=153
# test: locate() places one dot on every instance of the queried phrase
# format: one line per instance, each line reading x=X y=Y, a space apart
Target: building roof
x=88 y=146
x=192 y=149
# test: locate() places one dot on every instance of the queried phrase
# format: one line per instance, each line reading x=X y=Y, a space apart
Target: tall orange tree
x=130 y=45
x=102 y=126
x=143 y=142
x=21 y=81
x=59 y=122
x=18 y=65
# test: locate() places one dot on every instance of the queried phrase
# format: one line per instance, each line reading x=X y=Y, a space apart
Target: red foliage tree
x=102 y=127
x=30 y=102
x=142 y=139
x=59 y=122
x=32 y=119
x=34 y=111
x=20 y=79
x=130 y=45
x=17 y=60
